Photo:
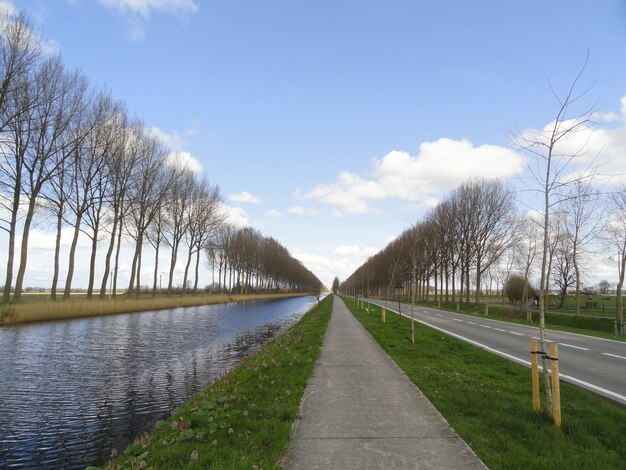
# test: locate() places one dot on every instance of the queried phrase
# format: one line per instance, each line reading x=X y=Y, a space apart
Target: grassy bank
x=243 y=420
x=48 y=310
x=487 y=400
x=593 y=326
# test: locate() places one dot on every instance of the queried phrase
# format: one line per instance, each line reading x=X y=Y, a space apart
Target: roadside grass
x=487 y=400
x=599 y=327
x=244 y=419
x=39 y=310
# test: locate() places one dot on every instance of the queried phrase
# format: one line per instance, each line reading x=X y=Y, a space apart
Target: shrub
x=514 y=289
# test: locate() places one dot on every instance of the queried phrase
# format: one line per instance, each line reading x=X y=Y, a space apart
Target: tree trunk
x=11 y=249
x=467 y=283
x=133 y=268
x=185 y=277
x=577 y=272
x=57 y=249
x=117 y=259
x=173 y=257
x=19 y=280
x=478 y=281
x=107 y=259
x=156 y=265
x=70 y=267
x=619 y=312
x=195 y=284
x=542 y=289
x=92 y=261
x=138 y=277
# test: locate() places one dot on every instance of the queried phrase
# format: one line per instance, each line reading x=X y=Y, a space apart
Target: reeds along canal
x=70 y=391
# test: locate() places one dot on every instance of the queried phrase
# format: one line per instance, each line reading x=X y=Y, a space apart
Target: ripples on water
x=70 y=391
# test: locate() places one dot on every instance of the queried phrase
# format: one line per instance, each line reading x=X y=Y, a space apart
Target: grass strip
x=487 y=400
x=38 y=310
x=244 y=420
x=598 y=327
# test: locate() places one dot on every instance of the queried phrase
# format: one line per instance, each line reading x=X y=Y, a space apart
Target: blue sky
x=342 y=120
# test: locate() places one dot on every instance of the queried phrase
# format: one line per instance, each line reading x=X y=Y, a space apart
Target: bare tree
x=526 y=250
x=616 y=229
x=563 y=270
x=145 y=195
x=60 y=103
x=20 y=51
x=178 y=204
x=205 y=220
x=122 y=173
x=551 y=173
x=88 y=179
x=19 y=60
x=582 y=217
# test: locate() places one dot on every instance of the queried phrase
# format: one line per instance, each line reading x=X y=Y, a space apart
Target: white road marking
x=485 y=326
x=547 y=341
x=471 y=322
x=613 y=355
x=572 y=346
x=456 y=319
x=438 y=315
x=516 y=333
x=499 y=329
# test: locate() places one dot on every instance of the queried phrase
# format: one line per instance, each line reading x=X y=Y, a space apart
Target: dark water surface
x=70 y=391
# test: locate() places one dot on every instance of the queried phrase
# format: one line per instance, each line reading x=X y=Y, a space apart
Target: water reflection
x=70 y=391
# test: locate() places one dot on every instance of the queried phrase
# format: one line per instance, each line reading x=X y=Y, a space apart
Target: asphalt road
x=596 y=364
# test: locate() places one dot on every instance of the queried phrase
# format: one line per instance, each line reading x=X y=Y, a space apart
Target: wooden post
x=382 y=315
x=556 y=390
x=458 y=306
x=486 y=310
x=529 y=316
x=534 y=363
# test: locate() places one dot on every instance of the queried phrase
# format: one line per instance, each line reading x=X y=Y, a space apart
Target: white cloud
x=438 y=167
x=137 y=12
x=184 y=160
x=144 y=7
x=344 y=261
x=177 y=157
x=244 y=197
x=172 y=139
x=299 y=210
x=273 y=213
x=7 y=8
x=235 y=216
x=355 y=251
x=50 y=47
x=42 y=240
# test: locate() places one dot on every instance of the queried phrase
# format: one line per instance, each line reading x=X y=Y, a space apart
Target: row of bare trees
x=477 y=234
x=72 y=155
x=246 y=261
x=452 y=248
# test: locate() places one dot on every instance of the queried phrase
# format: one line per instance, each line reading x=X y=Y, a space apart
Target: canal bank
x=73 y=390
x=35 y=310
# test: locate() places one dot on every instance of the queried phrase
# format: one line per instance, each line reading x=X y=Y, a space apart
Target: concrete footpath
x=360 y=411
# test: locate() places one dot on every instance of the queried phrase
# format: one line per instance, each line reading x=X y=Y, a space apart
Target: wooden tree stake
x=556 y=391
x=535 y=375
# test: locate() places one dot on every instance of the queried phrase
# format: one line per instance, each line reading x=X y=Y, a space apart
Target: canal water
x=70 y=391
